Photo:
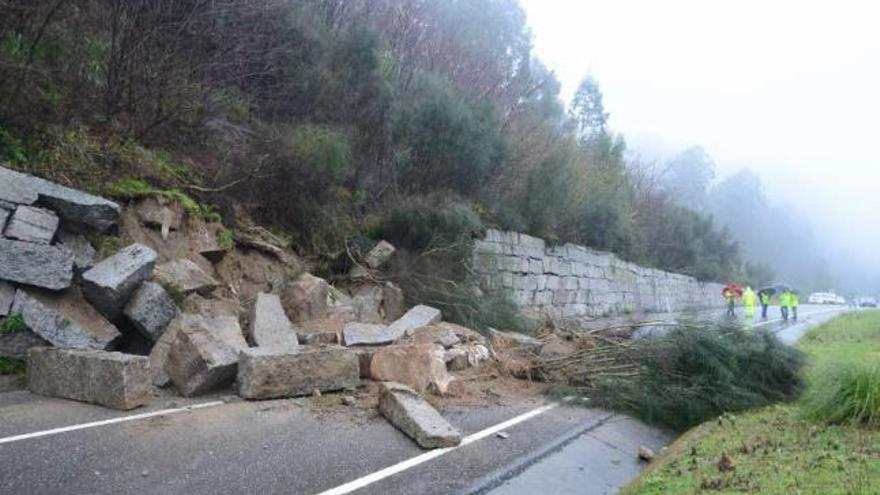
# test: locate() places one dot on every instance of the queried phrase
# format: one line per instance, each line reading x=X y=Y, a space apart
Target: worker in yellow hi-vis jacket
x=749 y=299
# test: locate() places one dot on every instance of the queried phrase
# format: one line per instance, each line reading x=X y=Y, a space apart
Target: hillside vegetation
x=337 y=121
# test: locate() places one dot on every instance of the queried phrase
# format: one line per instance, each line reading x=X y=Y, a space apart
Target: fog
x=787 y=89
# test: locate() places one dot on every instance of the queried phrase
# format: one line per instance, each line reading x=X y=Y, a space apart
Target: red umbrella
x=732 y=287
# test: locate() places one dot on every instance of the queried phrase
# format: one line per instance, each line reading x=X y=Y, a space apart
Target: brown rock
x=434 y=334
x=306 y=299
x=419 y=366
x=185 y=276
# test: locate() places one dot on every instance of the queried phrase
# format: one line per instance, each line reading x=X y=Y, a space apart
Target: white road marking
x=433 y=454
x=83 y=426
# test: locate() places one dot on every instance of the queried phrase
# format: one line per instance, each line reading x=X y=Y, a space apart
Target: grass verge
x=789 y=448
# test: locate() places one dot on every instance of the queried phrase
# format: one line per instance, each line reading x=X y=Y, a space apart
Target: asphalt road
x=302 y=446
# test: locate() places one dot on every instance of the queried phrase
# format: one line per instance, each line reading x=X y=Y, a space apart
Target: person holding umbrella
x=730 y=293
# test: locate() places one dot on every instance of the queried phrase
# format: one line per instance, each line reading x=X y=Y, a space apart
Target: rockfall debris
x=174 y=305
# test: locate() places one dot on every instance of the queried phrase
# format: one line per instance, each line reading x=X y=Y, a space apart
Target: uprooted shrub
x=845 y=393
x=696 y=372
x=433 y=264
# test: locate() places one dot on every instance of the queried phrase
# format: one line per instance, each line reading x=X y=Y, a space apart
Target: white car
x=825 y=298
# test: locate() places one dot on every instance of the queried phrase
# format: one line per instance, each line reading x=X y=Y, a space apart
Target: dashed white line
x=94 y=424
x=427 y=456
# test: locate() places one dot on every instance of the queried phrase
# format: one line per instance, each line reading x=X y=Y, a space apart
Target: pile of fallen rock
x=296 y=338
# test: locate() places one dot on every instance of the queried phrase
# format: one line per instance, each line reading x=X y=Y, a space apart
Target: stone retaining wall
x=570 y=281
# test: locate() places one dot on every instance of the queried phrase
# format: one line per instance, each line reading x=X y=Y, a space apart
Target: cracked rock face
x=109 y=284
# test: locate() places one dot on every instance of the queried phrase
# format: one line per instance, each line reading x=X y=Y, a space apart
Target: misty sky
x=787 y=88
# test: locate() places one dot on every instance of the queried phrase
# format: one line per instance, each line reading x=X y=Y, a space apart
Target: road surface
x=224 y=445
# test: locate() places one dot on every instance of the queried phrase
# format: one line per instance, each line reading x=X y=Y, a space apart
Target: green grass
x=785 y=449
x=12 y=324
x=128 y=188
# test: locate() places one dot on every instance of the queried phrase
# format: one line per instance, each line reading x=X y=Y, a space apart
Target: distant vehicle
x=825 y=298
x=866 y=302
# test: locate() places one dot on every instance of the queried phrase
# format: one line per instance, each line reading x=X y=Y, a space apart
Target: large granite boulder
x=150 y=310
x=204 y=353
x=269 y=326
x=5 y=213
x=109 y=284
x=367 y=303
x=185 y=276
x=79 y=210
x=355 y=333
x=268 y=374
x=411 y=414
x=417 y=317
x=111 y=379
x=306 y=298
x=65 y=319
x=49 y=267
x=31 y=224
x=420 y=366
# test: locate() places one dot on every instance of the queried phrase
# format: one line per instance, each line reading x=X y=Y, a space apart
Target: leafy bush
x=13 y=324
x=845 y=393
x=696 y=372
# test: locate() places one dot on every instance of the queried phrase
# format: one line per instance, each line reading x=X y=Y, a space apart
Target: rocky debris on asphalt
x=150 y=310
x=417 y=317
x=433 y=334
x=269 y=326
x=79 y=210
x=16 y=345
x=513 y=340
x=109 y=284
x=646 y=454
x=7 y=296
x=65 y=319
x=32 y=224
x=185 y=276
x=420 y=366
x=356 y=333
x=48 y=267
x=271 y=373
x=80 y=247
x=204 y=353
x=379 y=255
x=412 y=415
x=110 y=379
